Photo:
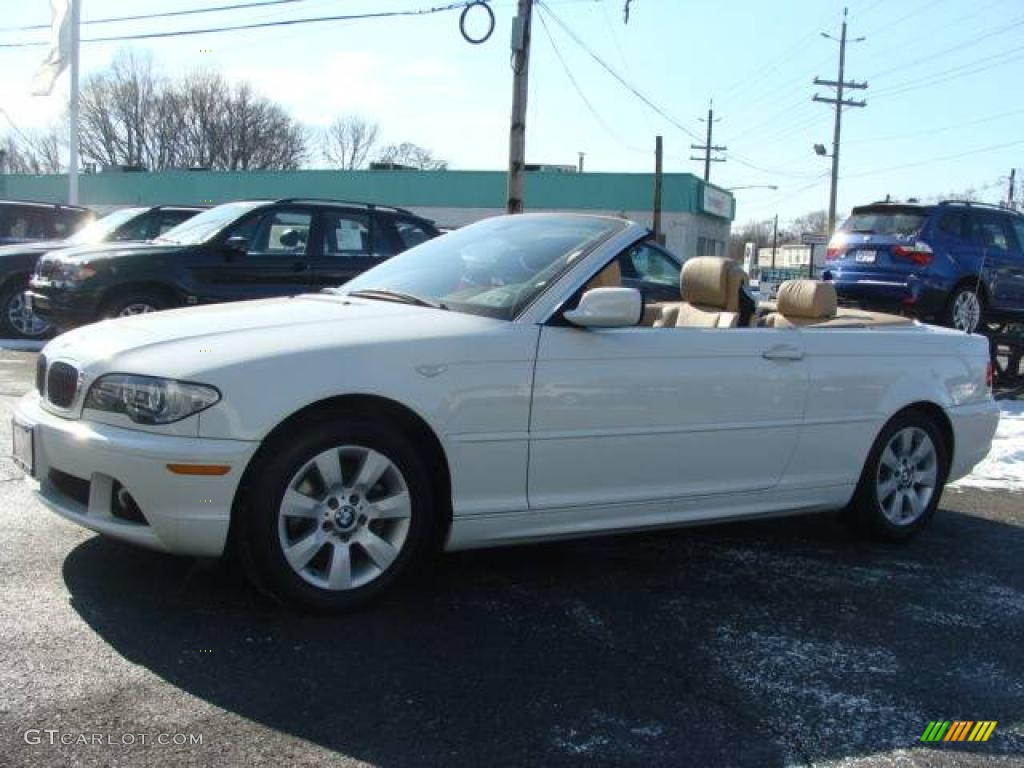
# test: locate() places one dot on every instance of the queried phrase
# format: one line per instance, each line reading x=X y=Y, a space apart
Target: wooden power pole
x=708 y=147
x=840 y=85
x=520 y=90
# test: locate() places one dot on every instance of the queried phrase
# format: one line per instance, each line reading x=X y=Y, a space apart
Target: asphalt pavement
x=774 y=643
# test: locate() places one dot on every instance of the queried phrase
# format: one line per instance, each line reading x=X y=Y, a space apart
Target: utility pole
x=707 y=148
x=520 y=89
x=775 y=238
x=657 y=189
x=580 y=166
x=1009 y=195
x=76 y=11
x=840 y=85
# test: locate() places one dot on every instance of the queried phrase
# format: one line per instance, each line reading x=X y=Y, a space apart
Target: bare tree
x=411 y=155
x=33 y=152
x=132 y=115
x=348 y=142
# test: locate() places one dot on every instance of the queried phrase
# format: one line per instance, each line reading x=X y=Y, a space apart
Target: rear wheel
x=337 y=515
x=134 y=304
x=16 y=320
x=902 y=479
x=965 y=309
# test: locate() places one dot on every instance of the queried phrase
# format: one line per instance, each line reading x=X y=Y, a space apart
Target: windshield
x=885 y=221
x=494 y=267
x=101 y=229
x=205 y=225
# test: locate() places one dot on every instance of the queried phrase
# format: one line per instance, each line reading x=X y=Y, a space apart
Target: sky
x=940 y=117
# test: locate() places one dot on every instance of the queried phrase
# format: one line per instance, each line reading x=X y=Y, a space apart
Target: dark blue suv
x=959 y=263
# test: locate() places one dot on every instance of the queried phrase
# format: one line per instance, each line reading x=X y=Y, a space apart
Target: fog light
x=124 y=507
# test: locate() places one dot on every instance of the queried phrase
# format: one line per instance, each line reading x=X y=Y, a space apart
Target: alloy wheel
x=344 y=518
x=966 y=311
x=23 y=320
x=907 y=475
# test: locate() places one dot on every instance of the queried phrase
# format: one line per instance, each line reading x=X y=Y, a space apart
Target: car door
x=276 y=261
x=641 y=415
x=1015 y=266
x=990 y=232
x=351 y=242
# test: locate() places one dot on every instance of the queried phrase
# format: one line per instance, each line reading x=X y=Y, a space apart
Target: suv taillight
x=918 y=253
x=835 y=248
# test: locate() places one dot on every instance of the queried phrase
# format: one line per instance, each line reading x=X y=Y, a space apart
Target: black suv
x=241 y=250
x=22 y=221
x=17 y=262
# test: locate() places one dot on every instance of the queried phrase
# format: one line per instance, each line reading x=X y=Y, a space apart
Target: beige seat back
x=710 y=291
x=609 y=277
x=803 y=302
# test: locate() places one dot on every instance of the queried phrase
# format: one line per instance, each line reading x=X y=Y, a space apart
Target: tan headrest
x=609 y=277
x=807 y=298
x=737 y=278
x=705 y=280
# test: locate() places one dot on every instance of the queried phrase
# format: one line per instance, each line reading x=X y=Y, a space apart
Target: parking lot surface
x=783 y=642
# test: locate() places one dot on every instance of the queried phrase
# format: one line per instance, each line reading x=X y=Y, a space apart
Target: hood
x=99 y=251
x=33 y=248
x=183 y=343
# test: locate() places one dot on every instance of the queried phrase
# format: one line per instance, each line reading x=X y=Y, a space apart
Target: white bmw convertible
x=504 y=383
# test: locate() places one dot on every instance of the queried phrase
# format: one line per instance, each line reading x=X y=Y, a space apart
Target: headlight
x=149 y=400
x=72 y=273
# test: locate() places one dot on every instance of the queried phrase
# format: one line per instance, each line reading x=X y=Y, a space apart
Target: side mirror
x=607 y=308
x=236 y=244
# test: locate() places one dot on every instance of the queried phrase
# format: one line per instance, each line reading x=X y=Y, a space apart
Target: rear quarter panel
x=860 y=378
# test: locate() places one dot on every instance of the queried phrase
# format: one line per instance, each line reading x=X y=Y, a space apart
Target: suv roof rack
x=368 y=206
x=46 y=204
x=977 y=204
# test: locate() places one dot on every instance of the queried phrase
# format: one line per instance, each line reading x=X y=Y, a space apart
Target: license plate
x=865 y=257
x=23 y=452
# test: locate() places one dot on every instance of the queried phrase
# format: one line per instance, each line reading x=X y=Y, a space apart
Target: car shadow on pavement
x=762 y=643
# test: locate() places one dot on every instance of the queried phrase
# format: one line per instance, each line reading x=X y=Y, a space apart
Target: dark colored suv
x=959 y=263
x=242 y=250
x=17 y=262
x=22 y=221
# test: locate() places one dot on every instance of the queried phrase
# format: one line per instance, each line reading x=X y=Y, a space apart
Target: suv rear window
x=886 y=221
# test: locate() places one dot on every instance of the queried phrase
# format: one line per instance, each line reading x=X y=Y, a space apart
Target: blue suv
x=959 y=263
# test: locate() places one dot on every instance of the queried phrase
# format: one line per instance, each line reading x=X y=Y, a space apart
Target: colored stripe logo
x=958 y=730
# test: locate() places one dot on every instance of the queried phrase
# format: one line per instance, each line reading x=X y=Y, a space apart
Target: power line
x=164 y=15
x=932 y=131
x=622 y=81
x=572 y=79
x=261 y=25
x=956 y=156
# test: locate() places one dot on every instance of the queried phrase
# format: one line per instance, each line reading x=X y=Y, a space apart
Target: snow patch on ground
x=1003 y=469
x=22 y=345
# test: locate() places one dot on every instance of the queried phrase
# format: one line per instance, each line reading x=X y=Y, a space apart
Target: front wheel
x=902 y=479
x=965 y=310
x=16 y=319
x=337 y=515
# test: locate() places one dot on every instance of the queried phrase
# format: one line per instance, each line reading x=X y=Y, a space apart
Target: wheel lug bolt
x=327 y=525
x=353 y=499
x=332 y=503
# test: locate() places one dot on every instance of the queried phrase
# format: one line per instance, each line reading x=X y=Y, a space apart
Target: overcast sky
x=943 y=99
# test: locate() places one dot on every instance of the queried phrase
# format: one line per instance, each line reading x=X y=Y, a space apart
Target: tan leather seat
x=609 y=277
x=803 y=302
x=710 y=288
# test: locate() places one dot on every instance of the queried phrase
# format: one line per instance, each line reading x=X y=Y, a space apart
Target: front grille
x=41 y=374
x=71 y=486
x=61 y=383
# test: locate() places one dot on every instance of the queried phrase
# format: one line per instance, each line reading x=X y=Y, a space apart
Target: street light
x=751 y=186
x=819 y=149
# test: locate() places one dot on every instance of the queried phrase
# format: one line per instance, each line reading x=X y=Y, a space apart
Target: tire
x=902 y=480
x=16 y=322
x=965 y=309
x=133 y=304
x=318 y=530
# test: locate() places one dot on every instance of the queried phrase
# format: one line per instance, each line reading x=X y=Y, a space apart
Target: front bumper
x=184 y=514
x=63 y=308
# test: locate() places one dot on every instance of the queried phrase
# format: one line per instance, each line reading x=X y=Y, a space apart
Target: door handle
x=783 y=352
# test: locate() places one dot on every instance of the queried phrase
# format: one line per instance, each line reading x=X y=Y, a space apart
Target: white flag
x=60 y=49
